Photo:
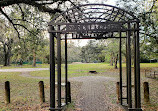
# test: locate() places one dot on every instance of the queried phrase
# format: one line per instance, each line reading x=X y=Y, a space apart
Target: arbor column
x=120 y=67
x=126 y=70
x=129 y=67
x=138 y=68
x=66 y=76
x=135 y=68
x=59 y=67
x=52 y=70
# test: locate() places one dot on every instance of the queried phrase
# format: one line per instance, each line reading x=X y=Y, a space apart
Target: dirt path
x=25 y=72
x=92 y=94
x=23 y=69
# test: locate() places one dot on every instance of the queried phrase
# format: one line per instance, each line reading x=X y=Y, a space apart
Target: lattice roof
x=90 y=13
x=93 y=21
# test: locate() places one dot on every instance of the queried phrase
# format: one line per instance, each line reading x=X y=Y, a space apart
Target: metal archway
x=95 y=21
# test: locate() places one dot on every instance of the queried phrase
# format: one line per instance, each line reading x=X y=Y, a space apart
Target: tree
x=6 y=39
x=93 y=51
x=73 y=52
x=147 y=12
x=32 y=38
x=46 y=9
x=29 y=19
x=42 y=6
x=112 y=51
x=116 y=59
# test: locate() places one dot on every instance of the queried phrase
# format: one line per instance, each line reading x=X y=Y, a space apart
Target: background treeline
x=95 y=51
x=24 y=38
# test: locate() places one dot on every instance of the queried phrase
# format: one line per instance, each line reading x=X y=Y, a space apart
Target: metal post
x=7 y=92
x=146 y=92
x=66 y=76
x=69 y=91
x=118 y=91
x=138 y=69
x=126 y=71
x=41 y=92
x=120 y=64
x=129 y=67
x=52 y=70
x=135 y=81
x=59 y=67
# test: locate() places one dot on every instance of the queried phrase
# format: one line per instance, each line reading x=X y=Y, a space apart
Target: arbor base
x=135 y=109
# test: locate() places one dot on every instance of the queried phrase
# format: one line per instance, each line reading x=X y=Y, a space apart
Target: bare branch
x=24 y=20
x=14 y=25
x=152 y=7
x=10 y=22
x=41 y=5
x=4 y=3
x=22 y=13
x=154 y=1
x=34 y=3
x=43 y=8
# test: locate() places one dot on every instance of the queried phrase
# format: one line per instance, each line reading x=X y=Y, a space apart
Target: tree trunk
x=116 y=61
x=5 y=55
x=111 y=62
x=8 y=60
x=5 y=60
x=34 y=58
x=7 y=51
x=9 y=56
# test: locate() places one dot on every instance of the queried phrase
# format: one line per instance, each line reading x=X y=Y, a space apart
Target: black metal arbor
x=96 y=21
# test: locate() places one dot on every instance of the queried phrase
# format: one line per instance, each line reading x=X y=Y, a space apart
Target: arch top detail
x=93 y=13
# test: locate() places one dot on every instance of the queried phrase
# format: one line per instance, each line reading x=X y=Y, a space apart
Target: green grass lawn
x=148 y=65
x=75 y=70
x=83 y=69
x=81 y=66
x=24 y=91
x=25 y=95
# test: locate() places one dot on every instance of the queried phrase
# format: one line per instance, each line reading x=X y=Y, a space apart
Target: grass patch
x=70 y=106
x=148 y=65
x=75 y=70
x=24 y=91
